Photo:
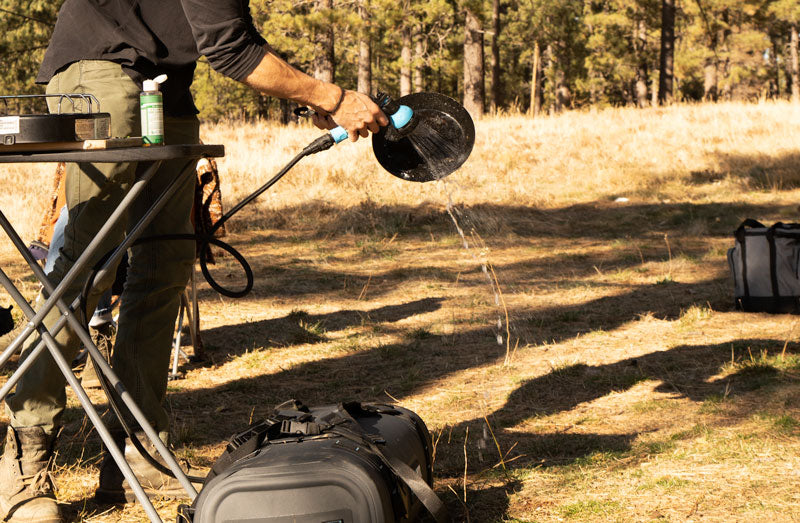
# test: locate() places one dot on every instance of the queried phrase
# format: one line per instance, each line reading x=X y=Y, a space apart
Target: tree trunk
x=795 y=61
x=496 y=93
x=654 y=89
x=473 y=65
x=640 y=43
x=536 y=81
x=563 y=96
x=364 y=50
x=325 y=60
x=286 y=111
x=552 y=66
x=405 y=62
x=725 y=63
x=665 y=81
x=787 y=67
x=775 y=87
x=419 y=61
x=710 y=67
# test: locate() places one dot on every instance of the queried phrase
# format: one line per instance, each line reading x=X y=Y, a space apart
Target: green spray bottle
x=151 y=104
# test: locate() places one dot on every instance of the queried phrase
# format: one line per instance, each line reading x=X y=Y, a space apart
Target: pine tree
x=787 y=14
x=473 y=59
x=667 y=57
x=25 y=29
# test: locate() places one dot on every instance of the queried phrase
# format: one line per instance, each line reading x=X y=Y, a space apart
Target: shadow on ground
x=600 y=219
x=554 y=324
x=623 y=237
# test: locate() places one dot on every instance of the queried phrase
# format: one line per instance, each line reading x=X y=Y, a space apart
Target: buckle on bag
x=300 y=428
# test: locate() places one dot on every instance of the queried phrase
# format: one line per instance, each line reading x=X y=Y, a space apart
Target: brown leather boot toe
x=26 y=489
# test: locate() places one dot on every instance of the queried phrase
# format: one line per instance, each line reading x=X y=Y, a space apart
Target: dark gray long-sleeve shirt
x=152 y=37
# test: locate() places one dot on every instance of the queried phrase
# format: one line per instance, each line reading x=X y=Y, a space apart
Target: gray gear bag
x=347 y=463
x=765 y=264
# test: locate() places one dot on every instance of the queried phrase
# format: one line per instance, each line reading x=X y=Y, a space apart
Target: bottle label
x=152 y=109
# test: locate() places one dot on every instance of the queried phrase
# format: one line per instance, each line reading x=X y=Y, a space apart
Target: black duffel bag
x=765 y=264
x=352 y=462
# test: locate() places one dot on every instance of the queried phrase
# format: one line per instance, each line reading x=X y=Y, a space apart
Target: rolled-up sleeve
x=224 y=33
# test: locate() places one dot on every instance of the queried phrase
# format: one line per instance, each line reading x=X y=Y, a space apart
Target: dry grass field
x=579 y=360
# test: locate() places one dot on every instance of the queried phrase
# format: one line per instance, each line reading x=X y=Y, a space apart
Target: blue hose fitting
x=339 y=134
x=401 y=118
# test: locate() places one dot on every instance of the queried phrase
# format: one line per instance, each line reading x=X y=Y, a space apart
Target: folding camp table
x=150 y=158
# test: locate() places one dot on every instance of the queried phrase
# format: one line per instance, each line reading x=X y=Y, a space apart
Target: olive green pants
x=158 y=271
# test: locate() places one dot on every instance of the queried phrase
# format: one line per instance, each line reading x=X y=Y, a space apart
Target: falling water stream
x=440 y=151
x=480 y=258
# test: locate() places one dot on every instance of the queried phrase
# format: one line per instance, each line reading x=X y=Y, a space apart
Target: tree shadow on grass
x=765 y=171
x=299 y=327
x=686 y=371
x=665 y=301
x=487 y=504
x=638 y=229
x=599 y=219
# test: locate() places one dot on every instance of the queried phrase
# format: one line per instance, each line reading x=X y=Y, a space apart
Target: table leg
x=54 y=299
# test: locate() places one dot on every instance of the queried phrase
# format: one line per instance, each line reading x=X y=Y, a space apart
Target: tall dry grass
x=546 y=162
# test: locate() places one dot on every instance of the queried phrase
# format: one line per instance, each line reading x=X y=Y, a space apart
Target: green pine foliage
x=593 y=52
x=25 y=29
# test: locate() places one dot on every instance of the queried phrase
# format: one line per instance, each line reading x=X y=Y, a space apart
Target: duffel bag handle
x=748 y=223
x=787 y=226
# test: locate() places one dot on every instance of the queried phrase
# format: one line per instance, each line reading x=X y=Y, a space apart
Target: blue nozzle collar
x=339 y=134
x=401 y=118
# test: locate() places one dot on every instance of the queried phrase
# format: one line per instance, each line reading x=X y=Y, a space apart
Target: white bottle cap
x=152 y=85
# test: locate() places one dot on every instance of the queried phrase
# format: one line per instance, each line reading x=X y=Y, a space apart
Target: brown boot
x=114 y=488
x=26 y=489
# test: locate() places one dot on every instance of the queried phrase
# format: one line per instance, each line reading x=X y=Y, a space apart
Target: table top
x=121 y=154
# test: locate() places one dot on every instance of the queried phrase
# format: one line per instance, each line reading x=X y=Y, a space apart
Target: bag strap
x=773 y=260
x=406 y=474
x=240 y=446
x=749 y=223
x=741 y=238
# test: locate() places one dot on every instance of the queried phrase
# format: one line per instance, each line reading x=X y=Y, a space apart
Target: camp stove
x=75 y=118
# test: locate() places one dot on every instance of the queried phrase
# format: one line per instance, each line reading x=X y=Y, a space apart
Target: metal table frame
x=144 y=155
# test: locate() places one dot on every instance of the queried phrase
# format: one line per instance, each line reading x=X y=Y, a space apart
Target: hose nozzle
x=401 y=117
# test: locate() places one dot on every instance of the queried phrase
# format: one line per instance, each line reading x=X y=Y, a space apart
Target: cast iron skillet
x=440 y=139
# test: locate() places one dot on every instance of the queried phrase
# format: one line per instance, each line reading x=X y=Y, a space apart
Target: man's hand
x=357 y=113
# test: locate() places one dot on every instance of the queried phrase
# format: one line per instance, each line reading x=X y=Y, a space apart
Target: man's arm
x=357 y=113
x=223 y=31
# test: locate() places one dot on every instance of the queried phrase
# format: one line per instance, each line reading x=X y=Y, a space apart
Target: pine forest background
x=494 y=55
